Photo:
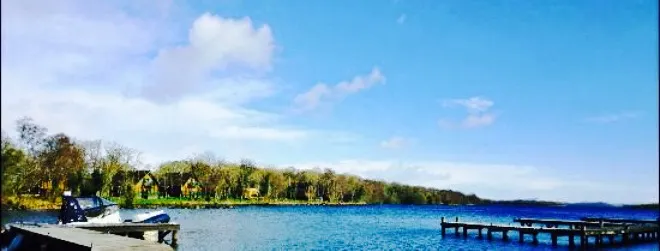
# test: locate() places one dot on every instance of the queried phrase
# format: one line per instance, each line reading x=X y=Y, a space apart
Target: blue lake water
x=356 y=228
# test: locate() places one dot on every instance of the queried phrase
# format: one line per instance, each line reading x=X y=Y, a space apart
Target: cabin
x=180 y=185
x=170 y=185
x=251 y=193
x=46 y=187
x=192 y=188
x=147 y=186
x=144 y=183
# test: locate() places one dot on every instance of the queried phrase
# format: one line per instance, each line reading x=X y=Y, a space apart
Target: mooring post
x=175 y=237
x=442 y=226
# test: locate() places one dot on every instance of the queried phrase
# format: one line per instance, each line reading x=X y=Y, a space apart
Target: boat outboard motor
x=70 y=211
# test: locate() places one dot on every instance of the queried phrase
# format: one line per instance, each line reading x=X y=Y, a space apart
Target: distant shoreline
x=40 y=204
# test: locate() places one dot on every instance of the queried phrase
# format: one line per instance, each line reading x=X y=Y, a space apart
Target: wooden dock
x=584 y=230
x=619 y=220
x=95 y=236
x=572 y=224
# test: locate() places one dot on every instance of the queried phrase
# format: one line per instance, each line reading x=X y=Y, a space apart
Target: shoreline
x=40 y=204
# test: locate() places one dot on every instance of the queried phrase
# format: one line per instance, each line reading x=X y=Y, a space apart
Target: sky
x=550 y=100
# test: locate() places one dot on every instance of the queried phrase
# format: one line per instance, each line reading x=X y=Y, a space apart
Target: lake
x=354 y=228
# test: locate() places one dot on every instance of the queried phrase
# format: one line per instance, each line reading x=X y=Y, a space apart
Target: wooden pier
x=619 y=220
x=95 y=236
x=583 y=230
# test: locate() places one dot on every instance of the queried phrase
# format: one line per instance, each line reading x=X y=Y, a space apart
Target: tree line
x=35 y=158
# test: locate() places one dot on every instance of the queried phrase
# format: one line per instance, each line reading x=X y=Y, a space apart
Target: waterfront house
x=46 y=187
x=144 y=183
x=192 y=188
x=180 y=185
x=147 y=185
x=251 y=193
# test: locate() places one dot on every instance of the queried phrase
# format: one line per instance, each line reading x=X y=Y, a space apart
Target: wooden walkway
x=128 y=228
x=584 y=230
x=572 y=224
x=619 y=220
x=70 y=238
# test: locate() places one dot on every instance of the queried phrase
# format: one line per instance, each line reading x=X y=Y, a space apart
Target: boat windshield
x=88 y=202
x=107 y=202
x=93 y=202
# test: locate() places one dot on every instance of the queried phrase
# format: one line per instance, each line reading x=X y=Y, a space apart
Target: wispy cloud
x=614 y=117
x=395 y=142
x=322 y=92
x=401 y=19
x=478 y=110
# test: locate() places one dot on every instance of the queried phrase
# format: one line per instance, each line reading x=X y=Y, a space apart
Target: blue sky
x=551 y=100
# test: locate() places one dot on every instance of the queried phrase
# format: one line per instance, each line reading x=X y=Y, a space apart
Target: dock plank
x=620 y=220
x=82 y=239
x=124 y=227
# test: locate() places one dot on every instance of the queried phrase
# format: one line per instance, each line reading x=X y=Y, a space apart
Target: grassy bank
x=29 y=203
x=36 y=203
x=228 y=203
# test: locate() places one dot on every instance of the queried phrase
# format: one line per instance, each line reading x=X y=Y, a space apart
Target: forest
x=35 y=157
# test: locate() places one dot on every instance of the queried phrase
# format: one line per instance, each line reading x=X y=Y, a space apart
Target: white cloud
x=478 y=110
x=74 y=67
x=487 y=180
x=321 y=92
x=613 y=117
x=401 y=19
x=395 y=142
x=214 y=44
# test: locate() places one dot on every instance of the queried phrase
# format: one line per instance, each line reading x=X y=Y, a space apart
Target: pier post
x=521 y=237
x=536 y=239
x=553 y=236
x=599 y=240
x=611 y=238
x=442 y=226
x=480 y=236
x=465 y=232
x=571 y=240
x=175 y=238
x=489 y=235
x=505 y=237
x=456 y=229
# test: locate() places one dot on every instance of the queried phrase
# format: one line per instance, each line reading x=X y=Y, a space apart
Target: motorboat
x=94 y=209
x=88 y=210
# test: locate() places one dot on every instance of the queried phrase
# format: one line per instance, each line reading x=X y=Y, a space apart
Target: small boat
x=88 y=210
x=94 y=209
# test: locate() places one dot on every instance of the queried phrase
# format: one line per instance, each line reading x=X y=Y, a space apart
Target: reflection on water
x=351 y=228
